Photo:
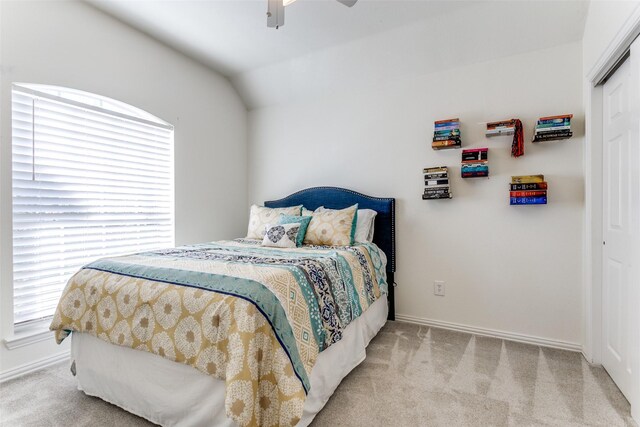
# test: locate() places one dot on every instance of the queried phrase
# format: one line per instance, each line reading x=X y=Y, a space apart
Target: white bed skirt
x=173 y=394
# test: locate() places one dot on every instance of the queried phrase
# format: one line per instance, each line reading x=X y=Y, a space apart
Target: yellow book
x=527 y=179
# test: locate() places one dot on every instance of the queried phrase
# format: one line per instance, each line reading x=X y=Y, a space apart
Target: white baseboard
x=509 y=336
x=33 y=366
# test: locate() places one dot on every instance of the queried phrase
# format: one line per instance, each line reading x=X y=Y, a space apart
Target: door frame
x=593 y=217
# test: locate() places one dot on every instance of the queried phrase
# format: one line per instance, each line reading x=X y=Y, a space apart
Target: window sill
x=30 y=334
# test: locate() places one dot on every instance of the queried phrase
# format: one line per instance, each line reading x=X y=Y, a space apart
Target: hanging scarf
x=517 y=147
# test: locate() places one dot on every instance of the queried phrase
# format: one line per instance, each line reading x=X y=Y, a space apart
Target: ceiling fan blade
x=348 y=3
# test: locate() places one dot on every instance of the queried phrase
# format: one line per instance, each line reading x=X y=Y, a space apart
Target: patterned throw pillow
x=302 y=220
x=332 y=227
x=281 y=235
x=260 y=216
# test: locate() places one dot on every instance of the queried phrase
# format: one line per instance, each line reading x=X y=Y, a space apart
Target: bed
x=275 y=350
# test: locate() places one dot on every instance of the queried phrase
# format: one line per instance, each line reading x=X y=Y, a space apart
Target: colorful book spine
x=445 y=138
x=446 y=134
x=438 y=169
x=445 y=144
x=476 y=174
x=527 y=179
x=530 y=186
x=440 y=122
x=453 y=132
x=554 y=121
x=437 y=182
x=437 y=196
x=475 y=155
x=547 y=125
x=443 y=128
x=533 y=193
x=429 y=176
x=541 y=200
x=562 y=116
x=436 y=191
x=548 y=129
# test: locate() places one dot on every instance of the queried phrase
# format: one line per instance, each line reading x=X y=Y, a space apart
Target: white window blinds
x=88 y=182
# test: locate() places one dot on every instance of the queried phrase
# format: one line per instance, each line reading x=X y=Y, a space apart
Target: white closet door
x=619 y=144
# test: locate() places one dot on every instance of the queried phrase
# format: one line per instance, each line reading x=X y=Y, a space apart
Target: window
x=92 y=177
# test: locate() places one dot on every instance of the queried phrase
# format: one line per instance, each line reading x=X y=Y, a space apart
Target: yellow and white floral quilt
x=254 y=317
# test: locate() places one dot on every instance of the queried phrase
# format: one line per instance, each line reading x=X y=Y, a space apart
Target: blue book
x=447 y=124
x=475 y=167
x=452 y=127
x=539 y=200
x=552 y=121
x=452 y=132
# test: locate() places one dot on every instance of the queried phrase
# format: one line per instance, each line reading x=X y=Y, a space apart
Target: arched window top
x=92 y=100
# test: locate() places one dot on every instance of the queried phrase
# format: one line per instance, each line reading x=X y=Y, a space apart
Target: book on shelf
x=527 y=179
x=501 y=131
x=528 y=193
x=441 y=133
x=437 y=187
x=437 y=182
x=437 y=169
x=504 y=127
x=475 y=155
x=561 y=121
x=430 y=176
x=529 y=186
x=432 y=191
x=552 y=136
x=440 y=122
x=437 y=196
x=502 y=123
x=561 y=116
x=446 y=134
x=539 y=200
x=553 y=125
x=446 y=138
x=446 y=144
x=475 y=174
x=553 y=128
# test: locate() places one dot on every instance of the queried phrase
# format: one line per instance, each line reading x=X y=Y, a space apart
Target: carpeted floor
x=413 y=376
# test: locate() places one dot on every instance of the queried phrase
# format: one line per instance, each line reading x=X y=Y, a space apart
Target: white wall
x=71 y=44
x=604 y=20
x=513 y=269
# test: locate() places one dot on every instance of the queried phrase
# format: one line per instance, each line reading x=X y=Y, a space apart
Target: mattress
x=145 y=384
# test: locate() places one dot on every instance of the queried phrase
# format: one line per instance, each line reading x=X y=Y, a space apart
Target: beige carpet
x=413 y=376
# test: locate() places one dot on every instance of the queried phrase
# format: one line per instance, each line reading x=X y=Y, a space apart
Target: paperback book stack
x=528 y=190
x=506 y=127
x=446 y=134
x=436 y=183
x=553 y=128
x=475 y=163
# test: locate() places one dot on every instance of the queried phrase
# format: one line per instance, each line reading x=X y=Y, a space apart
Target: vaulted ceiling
x=231 y=36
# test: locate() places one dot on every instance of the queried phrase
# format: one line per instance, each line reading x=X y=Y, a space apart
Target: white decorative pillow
x=260 y=216
x=281 y=235
x=364 y=225
x=307 y=212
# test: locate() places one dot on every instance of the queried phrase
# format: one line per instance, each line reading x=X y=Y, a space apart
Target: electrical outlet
x=438 y=288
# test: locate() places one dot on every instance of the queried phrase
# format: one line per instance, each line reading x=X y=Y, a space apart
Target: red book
x=563 y=116
x=535 y=193
x=446 y=121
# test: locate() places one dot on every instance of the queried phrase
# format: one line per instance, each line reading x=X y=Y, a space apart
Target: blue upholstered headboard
x=340 y=198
